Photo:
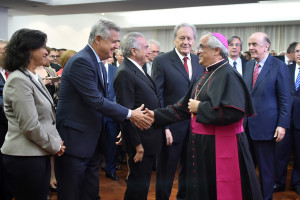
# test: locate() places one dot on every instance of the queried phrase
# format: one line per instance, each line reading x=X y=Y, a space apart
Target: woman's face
x=39 y=56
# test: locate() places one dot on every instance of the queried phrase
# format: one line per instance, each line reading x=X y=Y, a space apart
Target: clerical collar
x=215 y=65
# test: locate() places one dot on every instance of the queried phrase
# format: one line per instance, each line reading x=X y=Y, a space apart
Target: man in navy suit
x=290 y=143
x=235 y=60
x=112 y=127
x=81 y=106
x=173 y=73
x=267 y=79
x=133 y=86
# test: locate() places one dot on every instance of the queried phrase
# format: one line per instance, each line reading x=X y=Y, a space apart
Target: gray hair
x=118 y=51
x=185 y=25
x=129 y=41
x=213 y=42
x=3 y=41
x=152 y=41
x=102 y=28
x=235 y=37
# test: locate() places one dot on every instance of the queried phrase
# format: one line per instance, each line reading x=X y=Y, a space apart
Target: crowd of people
x=219 y=113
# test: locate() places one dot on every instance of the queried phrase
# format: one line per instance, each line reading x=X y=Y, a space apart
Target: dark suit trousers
x=265 y=158
x=77 y=178
x=139 y=178
x=289 y=144
x=112 y=130
x=166 y=168
x=29 y=176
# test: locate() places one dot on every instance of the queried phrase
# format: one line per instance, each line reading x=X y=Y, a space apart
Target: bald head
x=259 y=44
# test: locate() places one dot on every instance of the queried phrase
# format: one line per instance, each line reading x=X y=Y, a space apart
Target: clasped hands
x=143 y=119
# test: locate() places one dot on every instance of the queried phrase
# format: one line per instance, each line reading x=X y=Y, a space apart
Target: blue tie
x=297 y=83
x=234 y=64
x=103 y=74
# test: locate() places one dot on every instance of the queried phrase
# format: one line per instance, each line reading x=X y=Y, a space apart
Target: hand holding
x=139 y=119
x=169 y=137
x=120 y=142
x=279 y=133
x=193 y=105
x=139 y=153
x=62 y=149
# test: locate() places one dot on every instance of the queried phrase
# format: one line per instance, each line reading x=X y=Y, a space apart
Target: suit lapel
x=179 y=65
x=139 y=73
x=194 y=68
x=248 y=76
x=264 y=72
x=98 y=68
x=292 y=74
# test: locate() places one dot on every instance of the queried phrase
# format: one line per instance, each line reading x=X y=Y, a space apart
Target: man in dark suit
x=81 y=106
x=235 y=60
x=290 y=143
x=267 y=79
x=133 y=87
x=289 y=58
x=154 y=51
x=5 y=192
x=111 y=126
x=173 y=73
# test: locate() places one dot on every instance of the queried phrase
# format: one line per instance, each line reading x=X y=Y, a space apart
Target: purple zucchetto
x=221 y=38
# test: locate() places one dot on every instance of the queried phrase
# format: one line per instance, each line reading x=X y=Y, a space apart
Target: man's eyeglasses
x=54 y=56
x=237 y=45
x=201 y=47
x=154 y=51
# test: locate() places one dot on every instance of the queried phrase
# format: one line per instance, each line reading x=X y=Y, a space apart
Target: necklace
x=197 y=92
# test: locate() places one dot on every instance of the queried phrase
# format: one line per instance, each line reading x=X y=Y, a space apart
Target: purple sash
x=227 y=160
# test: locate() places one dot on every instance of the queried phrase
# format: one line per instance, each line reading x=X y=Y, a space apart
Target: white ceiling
x=61 y=7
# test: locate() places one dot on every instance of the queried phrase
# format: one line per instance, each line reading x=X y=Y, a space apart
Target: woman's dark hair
x=17 y=52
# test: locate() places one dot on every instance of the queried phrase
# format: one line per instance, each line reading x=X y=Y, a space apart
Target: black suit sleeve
x=125 y=95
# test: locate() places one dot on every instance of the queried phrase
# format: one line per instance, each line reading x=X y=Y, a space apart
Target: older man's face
x=184 y=40
x=297 y=54
x=141 y=55
x=234 y=48
x=205 y=53
x=258 y=47
x=106 y=48
x=154 y=51
x=120 y=57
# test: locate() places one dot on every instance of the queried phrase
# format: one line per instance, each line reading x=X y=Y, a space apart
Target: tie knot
x=185 y=59
x=258 y=65
x=234 y=62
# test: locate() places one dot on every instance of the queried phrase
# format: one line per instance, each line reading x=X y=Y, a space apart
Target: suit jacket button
x=53 y=122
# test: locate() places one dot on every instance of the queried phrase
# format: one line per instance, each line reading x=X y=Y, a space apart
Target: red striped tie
x=186 y=65
x=255 y=74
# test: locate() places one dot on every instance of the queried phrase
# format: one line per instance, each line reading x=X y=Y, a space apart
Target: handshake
x=143 y=119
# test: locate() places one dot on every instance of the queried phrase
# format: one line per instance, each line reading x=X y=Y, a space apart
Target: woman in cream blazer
x=32 y=136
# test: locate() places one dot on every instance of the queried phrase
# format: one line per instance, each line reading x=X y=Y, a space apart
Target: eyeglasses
x=237 y=45
x=201 y=47
x=54 y=56
x=154 y=51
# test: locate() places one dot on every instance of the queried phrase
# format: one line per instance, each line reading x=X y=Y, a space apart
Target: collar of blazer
x=145 y=77
x=264 y=71
x=88 y=49
x=44 y=91
x=178 y=64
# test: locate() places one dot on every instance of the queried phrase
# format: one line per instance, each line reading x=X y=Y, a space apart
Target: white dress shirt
x=189 y=62
x=239 y=66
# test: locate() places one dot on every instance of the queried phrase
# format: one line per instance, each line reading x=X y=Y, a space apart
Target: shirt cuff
x=129 y=114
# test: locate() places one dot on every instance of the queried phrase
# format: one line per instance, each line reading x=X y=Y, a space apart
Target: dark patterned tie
x=297 y=83
x=255 y=74
x=234 y=64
